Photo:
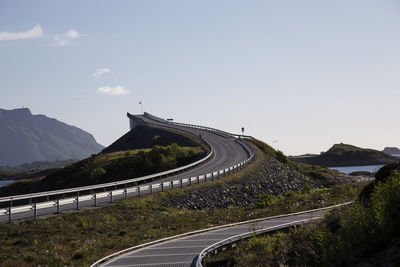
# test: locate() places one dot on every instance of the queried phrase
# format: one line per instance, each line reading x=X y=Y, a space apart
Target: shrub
x=155 y=141
x=281 y=157
x=265 y=200
x=97 y=173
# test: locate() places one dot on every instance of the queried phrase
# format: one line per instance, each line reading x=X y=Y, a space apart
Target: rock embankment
x=265 y=176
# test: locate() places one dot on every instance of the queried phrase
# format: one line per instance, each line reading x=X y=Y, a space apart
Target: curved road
x=184 y=252
x=227 y=152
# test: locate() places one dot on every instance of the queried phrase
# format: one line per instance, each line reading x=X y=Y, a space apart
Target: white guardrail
x=209 y=129
x=223 y=242
x=128 y=190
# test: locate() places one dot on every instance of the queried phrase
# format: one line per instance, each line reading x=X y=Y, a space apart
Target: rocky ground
x=265 y=176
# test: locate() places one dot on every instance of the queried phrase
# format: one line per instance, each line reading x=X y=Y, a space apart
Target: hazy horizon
x=307 y=74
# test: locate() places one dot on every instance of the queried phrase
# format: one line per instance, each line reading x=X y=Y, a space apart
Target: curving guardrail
x=209 y=129
x=115 y=192
x=237 y=238
x=221 y=243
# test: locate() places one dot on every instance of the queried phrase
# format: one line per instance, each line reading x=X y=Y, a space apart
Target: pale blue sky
x=305 y=73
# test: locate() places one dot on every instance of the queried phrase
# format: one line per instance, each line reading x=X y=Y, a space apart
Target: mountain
x=26 y=138
x=347 y=155
x=391 y=151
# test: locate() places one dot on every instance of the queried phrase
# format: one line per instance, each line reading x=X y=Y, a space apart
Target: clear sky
x=307 y=74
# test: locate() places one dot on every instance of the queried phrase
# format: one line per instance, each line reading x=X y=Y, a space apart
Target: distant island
x=394 y=151
x=340 y=155
x=26 y=138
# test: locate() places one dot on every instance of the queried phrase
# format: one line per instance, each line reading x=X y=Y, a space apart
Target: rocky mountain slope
x=26 y=138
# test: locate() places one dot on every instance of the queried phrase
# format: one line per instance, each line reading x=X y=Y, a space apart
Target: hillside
x=347 y=155
x=139 y=152
x=142 y=137
x=266 y=187
x=26 y=138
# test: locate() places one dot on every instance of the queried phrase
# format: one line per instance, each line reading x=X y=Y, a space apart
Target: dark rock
x=272 y=177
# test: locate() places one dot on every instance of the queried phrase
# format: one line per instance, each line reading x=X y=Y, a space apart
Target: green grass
x=361 y=233
x=110 y=167
x=81 y=238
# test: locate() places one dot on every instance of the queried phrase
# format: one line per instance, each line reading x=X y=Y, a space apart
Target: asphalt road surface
x=183 y=252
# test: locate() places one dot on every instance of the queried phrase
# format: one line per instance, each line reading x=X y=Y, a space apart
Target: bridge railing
x=111 y=191
x=215 y=245
x=209 y=129
x=236 y=238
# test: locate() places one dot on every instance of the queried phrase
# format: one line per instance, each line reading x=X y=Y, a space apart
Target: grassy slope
x=365 y=233
x=322 y=174
x=109 y=167
x=141 y=137
x=82 y=237
x=89 y=171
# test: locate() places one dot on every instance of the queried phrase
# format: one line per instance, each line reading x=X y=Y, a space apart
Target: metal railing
x=209 y=129
x=124 y=192
x=209 y=249
x=239 y=237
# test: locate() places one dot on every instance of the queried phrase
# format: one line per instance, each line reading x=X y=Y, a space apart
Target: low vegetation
x=364 y=233
x=110 y=167
x=81 y=238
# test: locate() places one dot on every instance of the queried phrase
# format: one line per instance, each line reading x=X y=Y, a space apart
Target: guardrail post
x=190 y=180
x=47 y=198
x=111 y=200
x=181 y=183
x=162 y=186
x=198 y=179
x=77 y=201
x=126 y=191
x=34 y=211
x=151 y=189
x=9 y=215
x=58 y=206
x=172 y=184
x=138 y=190
x=95 y=199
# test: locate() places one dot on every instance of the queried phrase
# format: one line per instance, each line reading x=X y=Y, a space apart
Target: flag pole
x=141 y=104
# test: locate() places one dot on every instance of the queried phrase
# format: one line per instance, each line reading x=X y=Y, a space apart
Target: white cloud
x=100 y=72
x=118 y=90
x=67 y=38
x=72 y=34
x=35 y=32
